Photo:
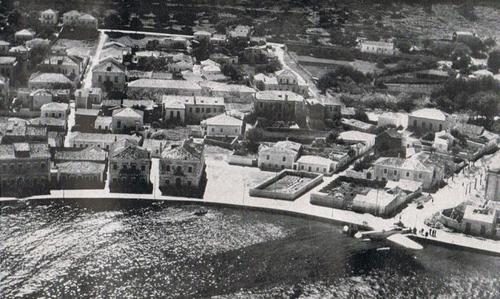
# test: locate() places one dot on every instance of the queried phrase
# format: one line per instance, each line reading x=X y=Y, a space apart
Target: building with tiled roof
x=414 y=168
x=55 y=110
x=164 y=87
x=52 y=124
x=227 y=91
x=103 y=123
x=129 y=167
x=89 y=154
x=4 y=47
x=24 y=169
x=104 y=141
x=278 y=105
x=70 y=17
x=223 y=125
x=49 y=81
x=109 y=75
x=49 y=17
x=79 y=175
x=191 y=109
x=429 y=119
x=8 y=66
x=68 y=65
x=15 y=131
x=182 y=166
x=316 y=164
x=278 y=156
x=125 y=120
x=40 y=97
x=88 y=97
x=24 y=35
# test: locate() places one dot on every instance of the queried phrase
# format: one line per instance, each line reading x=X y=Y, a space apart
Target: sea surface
x=126 y=249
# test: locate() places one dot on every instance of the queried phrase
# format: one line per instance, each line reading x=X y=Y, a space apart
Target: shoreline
x=448 y=240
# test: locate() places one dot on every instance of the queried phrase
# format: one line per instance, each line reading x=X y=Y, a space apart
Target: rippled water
x=129 y=250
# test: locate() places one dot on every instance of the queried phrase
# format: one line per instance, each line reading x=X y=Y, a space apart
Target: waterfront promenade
x=228 y=185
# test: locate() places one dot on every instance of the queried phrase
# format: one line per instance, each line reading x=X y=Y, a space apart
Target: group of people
x=430 y=232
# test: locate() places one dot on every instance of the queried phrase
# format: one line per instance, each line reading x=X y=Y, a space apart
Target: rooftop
x=223 y=120
x=49 y=78
x=479 y=214
x=430 y=113
x=7 y=60
x=180 y=102
x=35 y=150
x=125 y=150
x=164 y=84
x=187 y=151
x=92 y=153
x=128 y=112
x=309 y=159
x=97 y=137
x=80 y=167
x=55 y=106
x=278 y=95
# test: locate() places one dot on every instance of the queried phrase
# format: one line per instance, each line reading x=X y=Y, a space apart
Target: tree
x=461 y=58
x=135 y=23
x=486 y=104
x=404 y=46
x=233 y=71
x=494 y=61
x=112 y=21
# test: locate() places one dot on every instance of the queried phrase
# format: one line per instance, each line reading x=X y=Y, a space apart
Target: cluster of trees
x=480 y=96
x=341 y=74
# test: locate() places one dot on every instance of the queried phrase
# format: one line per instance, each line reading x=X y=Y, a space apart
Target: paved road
x=145 y=33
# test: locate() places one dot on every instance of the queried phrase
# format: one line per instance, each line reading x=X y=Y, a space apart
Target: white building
x=223 y=125
x=49 y=17
x=316 y=164
x=104 y=141
x=278 y=156
x=55 y=110
x=377 y=47
x=428 y=119
x=127 y=119
x=39 y=98
x=70 y=17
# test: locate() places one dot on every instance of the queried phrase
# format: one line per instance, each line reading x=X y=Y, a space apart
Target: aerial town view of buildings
x=350 y=125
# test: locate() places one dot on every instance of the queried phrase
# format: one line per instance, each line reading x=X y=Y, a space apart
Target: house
x=354 y=137
x=282 y=80
x=116 y=51
x=415 y=168
x=49 y=17
x=479 y=221
x=85 y=118
x=55 y=110
x=104 y=141
x=223 y=59
x=493 y=180
x=164 y=87
x=19 y=131
x=79 y=175
x=87 y=21
x=8 y=66
x=315 y=164
x=377 y=47
x=223 y=125
x=24 y=35
x=240 y=32
x=182 y=167
x=109 y=75
x=462 y=35
x=428 y=119
x=70 y=17
x=129 y=167
x=88 y=98
x=378 y=202
x=70 y=66
x=191 y=109
x=89 y=154
x=389 y=144
x=235 y=92
x=40 y=97
x=443 y=141
x=354 y=124
x=24 y=169
x=127 y=119
x=390 y=119
x=49 y=81
x=52 y=124
x=278 y=105
x=21 y=52
x=332 y=106
x=279 y=156
x=4 y=47
x=218 y=39
x=103 y=123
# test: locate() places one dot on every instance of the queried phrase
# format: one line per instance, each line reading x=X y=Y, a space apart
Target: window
x=284 y=159
x=190 y=169
x=167 y=182
x=197 y=110
x=189 y=183
x=213 y=129
x=267 y=157
x=419 y=175
x=407 y=174
x=221 y=130
x=116 y=79
x=208 y=110
x=317 y=168
x=395 y=172
x=202 y=110
x=168 y=167
x=100 y=78
x=115 y=167
x=143 y=168
x=42 y=166
x=385 y=170
x=124 y=166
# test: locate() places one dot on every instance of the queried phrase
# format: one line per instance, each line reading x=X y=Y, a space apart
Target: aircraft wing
x=404 y=241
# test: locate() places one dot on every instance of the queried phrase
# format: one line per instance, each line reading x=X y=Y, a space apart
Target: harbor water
x=130 y=249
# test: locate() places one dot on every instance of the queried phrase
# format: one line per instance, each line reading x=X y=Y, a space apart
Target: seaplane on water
x=395 y=234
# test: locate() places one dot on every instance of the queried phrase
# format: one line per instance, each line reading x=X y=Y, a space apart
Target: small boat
x=383 y=248
x=201 y=212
